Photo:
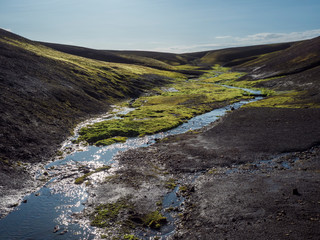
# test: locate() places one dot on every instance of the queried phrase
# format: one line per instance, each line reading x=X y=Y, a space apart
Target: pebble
x=56 y=229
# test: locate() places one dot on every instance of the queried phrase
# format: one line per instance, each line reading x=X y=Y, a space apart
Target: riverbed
x=48 y=212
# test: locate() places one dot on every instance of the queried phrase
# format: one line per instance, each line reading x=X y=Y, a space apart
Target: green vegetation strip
x=274 y=99
x=168 y=108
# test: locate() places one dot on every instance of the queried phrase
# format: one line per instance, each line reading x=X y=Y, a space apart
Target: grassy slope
x=158 y=60
x=51 y=91
x=234 y=56
x=295 y=69
x=45 y=92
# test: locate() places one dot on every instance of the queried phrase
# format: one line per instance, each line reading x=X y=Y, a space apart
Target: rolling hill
x=46 y=88
x=44 y=93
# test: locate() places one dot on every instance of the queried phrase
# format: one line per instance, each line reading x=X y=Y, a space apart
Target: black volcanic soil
x=256 y=176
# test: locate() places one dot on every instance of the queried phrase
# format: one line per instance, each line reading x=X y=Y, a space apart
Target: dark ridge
x=41 y=99
x=130 y=57
x=299 y=57
x=170 y=58
x=101 y=55
x=299 y=70
x=235 y=56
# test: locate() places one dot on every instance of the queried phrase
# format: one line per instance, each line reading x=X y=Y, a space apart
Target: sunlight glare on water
x=48 y=212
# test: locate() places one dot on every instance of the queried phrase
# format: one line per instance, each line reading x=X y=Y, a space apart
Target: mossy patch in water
x=171 y=183
x=130 y=237
x=109 y=141
x=154 y=220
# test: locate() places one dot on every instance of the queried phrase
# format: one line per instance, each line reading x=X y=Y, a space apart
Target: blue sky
x=162 y=25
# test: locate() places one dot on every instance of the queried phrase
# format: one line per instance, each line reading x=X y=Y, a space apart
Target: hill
x=45 y=88
x=294 y=68
x=231 y=57
x=44 y=93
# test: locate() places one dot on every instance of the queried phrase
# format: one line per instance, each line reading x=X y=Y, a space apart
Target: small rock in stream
x=56 y=229
x=63 y=232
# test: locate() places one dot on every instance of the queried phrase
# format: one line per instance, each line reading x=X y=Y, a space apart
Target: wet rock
x=56 y=229
x=25 y=201
x=63 y=232
x=13 y=205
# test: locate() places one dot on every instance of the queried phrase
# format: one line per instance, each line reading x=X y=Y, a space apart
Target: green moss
x=110 y=141
x=122 y=214
x=183 y=188
x=59 y=153
x=5 y=161
x=162 y=112
x=107 y=214
x=83 y=178
x=154 y=220
x=130 y=237
x=212 y=171
x=171 y=183
x=292 y=99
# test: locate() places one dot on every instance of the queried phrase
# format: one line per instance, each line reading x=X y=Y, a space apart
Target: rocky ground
x=253 y=174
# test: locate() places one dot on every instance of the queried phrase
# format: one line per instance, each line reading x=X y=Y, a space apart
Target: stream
x=48 y=212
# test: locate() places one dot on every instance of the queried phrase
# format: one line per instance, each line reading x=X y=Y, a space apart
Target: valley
x=248 y=172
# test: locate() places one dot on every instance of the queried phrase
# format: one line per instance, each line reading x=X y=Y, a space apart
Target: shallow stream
x=47 y=213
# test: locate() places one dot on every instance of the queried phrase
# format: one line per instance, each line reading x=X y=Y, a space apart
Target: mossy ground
x=116 y=79
x=292 y=99
x=122 y=215
x=165 y=109
x=277 y=99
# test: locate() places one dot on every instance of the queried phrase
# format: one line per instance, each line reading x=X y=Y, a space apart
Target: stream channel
x=47 y=213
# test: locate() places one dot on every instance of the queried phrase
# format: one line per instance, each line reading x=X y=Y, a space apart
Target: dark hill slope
x=102 y=55
x=299 y=57
x=234 y=56
x=159 y=60
x=169 y=58
x=43 y=93
x=295 y=68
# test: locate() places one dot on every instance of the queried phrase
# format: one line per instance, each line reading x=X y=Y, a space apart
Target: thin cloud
x=261 y=38
x=254 y=39
x=189 y=48
x=223 y=37
x=7 y=29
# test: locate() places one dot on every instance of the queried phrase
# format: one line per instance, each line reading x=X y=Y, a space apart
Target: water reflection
x=47 y=214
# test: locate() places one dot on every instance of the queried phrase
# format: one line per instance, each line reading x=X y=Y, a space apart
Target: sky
x=162 y=25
